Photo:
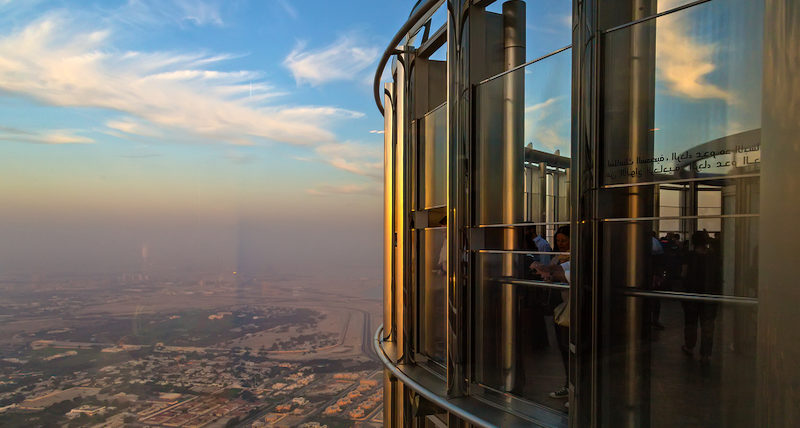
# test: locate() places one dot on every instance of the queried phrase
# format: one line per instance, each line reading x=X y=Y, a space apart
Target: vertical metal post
x=402 y=244
x=513 y=170
x=583 y=373
x=542 y=214
x=389 y=143
x=458 y=128
x=640 y=204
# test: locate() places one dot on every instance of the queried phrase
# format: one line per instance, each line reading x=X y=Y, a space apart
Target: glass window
x=432 y=159
x=698 y=371
x=682 y=95
x=518 y=345
x=432 y=277
x=620 y=12
x=718 y=262
x=523 y=144
x=548 y=25
x=679 y=217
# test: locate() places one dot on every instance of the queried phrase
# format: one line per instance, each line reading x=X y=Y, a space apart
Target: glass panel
x=682 y=95
x=431 y=293
x=619 y=12
x=518 y=347
x=696 y=371
x=723 y=262
x=433 y=159
x=523 y=144
x=548 y=25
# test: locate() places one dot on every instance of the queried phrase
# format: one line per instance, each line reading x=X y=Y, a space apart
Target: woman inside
x=558 y=271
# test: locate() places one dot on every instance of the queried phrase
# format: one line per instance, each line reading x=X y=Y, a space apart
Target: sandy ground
x=345 y=316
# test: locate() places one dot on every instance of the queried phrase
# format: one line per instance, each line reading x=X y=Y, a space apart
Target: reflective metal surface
x=645 y=138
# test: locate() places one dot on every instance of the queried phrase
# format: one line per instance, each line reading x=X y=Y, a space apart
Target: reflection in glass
x=682 y=95
x=667 y=262
x=527 y=360
x=710 y=384
x=431 y=292
x=541 y=158
x=548 y=23
x=433 y=159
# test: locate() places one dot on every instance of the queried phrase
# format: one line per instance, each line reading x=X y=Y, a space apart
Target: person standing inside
x=703 y=276
x=558 y=271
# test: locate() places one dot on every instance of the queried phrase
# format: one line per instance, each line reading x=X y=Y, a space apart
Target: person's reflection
x=654 y=305
x=673 y=261
x=532 y=305
x=703 y=276
x=537 y=300
x=558 y=271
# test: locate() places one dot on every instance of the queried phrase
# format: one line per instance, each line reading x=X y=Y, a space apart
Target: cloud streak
x=51 y=137
x=685 y=64
x=342 y=60
x=542 y=129
x=199 y=13
x=356 y=158
x=291 y=11
x=345 y=189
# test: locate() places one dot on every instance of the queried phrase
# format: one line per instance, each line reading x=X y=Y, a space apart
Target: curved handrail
x=421 y=390
x=392 y=48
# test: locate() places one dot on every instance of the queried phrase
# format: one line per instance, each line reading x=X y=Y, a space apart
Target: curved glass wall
x=617 y=180
x=678 y=217
x=521 y=198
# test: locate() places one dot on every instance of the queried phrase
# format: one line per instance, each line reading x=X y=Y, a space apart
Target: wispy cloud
x=683 y=63
x=55 y=136
x=201 y=12
x=542 y=129
x=343 y=59
x=175 y=91
x=377 y=131
x=289 y=9
x=132 y=126
x=544 y=105
x=357 y=158
x=345 y=189
x=177 y=12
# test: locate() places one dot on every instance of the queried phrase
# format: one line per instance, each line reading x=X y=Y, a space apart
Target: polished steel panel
x=401 y=205
x=457 y=213
x=512 y=169
x=388 y=210
x=628 y=121
x=778 y=337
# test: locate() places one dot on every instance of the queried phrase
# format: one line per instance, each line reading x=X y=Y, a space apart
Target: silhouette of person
x=703 y=276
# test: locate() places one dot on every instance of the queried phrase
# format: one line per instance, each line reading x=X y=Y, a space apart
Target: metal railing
x=420 y=13
x=422 y=390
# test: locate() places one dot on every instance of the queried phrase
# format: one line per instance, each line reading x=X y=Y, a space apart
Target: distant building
x=86 y=410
